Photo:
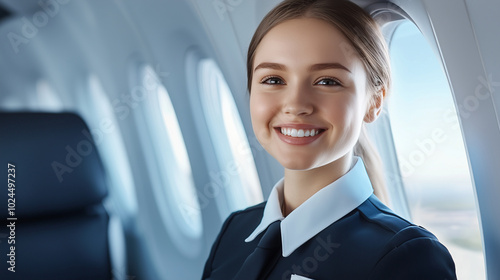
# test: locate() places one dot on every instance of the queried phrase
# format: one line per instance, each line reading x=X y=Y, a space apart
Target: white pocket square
x=298 y=277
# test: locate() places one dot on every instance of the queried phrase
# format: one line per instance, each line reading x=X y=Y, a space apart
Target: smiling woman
x=317 y=72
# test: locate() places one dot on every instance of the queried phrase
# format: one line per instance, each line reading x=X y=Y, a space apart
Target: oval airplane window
x=431 y=154
x=236 y=167
x=99 y=112
x=174 y=188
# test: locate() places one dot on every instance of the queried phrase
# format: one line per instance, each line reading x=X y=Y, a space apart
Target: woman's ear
x=375 y=105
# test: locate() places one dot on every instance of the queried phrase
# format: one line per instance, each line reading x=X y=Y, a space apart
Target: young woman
x=317 y=71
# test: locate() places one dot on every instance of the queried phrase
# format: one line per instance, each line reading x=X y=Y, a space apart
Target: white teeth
x=299 y=132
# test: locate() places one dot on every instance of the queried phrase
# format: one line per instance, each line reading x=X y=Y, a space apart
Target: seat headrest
x=57 y=166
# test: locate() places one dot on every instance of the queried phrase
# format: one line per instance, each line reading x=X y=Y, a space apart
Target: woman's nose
x=298 y=102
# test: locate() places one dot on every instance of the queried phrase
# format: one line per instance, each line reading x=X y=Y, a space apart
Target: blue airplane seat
x=57 y=227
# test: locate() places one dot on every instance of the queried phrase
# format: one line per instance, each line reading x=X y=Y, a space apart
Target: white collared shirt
x=319 y=211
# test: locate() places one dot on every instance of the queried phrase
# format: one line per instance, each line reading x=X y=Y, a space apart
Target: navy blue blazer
x=371 y=242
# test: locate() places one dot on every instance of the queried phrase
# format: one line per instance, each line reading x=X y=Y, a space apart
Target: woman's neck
x=300 y=185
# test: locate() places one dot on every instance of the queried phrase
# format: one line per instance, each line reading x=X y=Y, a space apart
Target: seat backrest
x=57 y=225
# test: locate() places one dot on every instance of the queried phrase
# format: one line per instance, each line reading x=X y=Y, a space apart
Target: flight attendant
x=317 y=71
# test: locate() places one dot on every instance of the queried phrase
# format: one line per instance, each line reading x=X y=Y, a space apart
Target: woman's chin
x=297 y=164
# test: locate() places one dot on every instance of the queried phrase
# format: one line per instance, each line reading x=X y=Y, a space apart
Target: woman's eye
x=328 y=82
x=273 y=81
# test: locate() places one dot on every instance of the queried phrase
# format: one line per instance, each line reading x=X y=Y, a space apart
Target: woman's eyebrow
x=315 y=67
x=323 y=66
x=270 y=65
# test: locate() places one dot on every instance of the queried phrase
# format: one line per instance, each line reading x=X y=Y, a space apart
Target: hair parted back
x=365 y=40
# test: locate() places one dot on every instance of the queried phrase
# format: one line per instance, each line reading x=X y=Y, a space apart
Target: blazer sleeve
x=207 y=271
x=415 y=254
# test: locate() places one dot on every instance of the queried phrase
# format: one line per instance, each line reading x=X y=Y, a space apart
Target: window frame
x=194 y=58
x=149 y=119
x=390 y=16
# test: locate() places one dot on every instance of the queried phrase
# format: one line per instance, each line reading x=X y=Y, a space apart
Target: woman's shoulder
x=395 y=228
x=378 y=214
x=229 y=247
x=247 y=217
x=250 y=212
x=239 y=224
x=410 y=250
x=375 y=229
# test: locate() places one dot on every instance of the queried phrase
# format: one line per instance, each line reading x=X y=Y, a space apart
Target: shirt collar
x=318 y=212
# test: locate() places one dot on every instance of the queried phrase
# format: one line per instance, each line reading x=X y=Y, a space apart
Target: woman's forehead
x=305 y=42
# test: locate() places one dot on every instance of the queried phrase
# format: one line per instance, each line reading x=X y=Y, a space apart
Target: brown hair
x=364 y=36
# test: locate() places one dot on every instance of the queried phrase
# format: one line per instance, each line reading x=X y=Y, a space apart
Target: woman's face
x=309 y=94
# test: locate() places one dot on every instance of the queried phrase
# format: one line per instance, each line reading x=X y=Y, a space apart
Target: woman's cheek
x=339 y=110
x=257 y=110
x=259 y=105
x=262 y=109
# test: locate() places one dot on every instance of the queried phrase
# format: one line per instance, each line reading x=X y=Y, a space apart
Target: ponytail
x=374 y=167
